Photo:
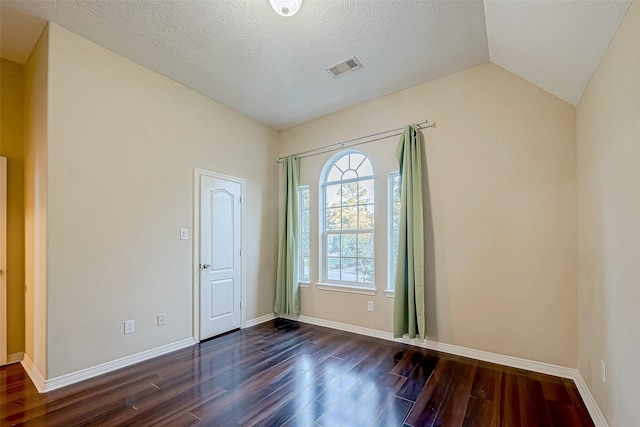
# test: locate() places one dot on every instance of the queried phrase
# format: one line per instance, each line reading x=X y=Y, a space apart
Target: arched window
x=348 y=213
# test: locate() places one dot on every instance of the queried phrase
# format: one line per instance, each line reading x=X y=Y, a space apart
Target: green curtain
x=409 y=315
x=287 y=292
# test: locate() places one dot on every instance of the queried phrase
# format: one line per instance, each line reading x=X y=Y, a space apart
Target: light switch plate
x=184 y=234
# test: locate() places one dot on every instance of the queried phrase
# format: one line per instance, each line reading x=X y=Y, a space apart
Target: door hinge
x=240 y=305
x=240 y=252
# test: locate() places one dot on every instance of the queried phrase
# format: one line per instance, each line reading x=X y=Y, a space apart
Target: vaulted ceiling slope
x=271 y=68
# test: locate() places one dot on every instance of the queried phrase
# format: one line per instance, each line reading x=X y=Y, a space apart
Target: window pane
x=365 y=270
x=349 y=174
x=333 y=245
x=303 y=234
x=365 y=192
x=349 y=245
x=334 y=174
x=350 y=218
x=333 y=268
x=305 y=268
x=304 y=250
x=393 y=274
x=349 y=267
x=350 y=194
x=334 y=219
x=355 y=160
x=365 y=245
x=395 y=216
x=365 y=217
x=395 y=240
x=332 y=195
x=365 y=169
x=396 y=188
x=343 y=162
x=394 y=224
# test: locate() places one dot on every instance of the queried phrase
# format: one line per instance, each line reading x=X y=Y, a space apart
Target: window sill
x=389 y=293
x=304 y=284
x=346 y=288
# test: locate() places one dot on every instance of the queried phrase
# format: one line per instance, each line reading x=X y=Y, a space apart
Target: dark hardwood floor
x=282 y=373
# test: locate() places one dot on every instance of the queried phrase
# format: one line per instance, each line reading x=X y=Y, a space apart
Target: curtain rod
x=356 y=141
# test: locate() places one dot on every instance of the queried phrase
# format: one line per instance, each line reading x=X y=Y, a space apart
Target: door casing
x=3 y=261
x=196 y=247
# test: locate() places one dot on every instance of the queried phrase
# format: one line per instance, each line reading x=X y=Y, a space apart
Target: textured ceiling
x=244 y=55
x=555 y=45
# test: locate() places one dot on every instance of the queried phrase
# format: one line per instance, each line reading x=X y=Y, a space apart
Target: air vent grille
x=344 y=66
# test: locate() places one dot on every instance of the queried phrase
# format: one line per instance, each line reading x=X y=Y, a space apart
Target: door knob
x=205 y=266
x=1 y=272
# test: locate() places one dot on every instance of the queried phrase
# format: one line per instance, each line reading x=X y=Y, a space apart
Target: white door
x=220 y=256
x=3 y=260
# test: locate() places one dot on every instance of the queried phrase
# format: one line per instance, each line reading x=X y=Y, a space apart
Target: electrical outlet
x=129 y=327
x=162 y=319
x=370 y=305
x=603 y=371
x=184 y=234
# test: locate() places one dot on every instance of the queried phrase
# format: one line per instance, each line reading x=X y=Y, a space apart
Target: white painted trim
x=3 y=261
x=500 y=359
x=33 y=372
x=389 y=293
x=514 y=362
x=195 y=289
x=334 y=287
x=44 y=386
x=340 y=326
x=590 y=402
x=15 y=357
x=195 y=250
x=259 y=320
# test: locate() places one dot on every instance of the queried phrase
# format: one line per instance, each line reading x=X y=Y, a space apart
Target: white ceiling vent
x=344 y=66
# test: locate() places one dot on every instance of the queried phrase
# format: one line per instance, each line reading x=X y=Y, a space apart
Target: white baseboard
x=590 y=402
x=259 y=320
x=15 y=357
x=33 y=372
x=44 y=386
x=514 y=362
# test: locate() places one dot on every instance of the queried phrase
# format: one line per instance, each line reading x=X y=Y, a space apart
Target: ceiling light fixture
x=286 y=7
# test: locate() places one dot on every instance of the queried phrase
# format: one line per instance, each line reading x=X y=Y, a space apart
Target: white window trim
x=342 y=285
x=351 y=289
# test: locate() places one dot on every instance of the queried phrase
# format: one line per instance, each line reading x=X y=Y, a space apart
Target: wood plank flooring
x=282 y=373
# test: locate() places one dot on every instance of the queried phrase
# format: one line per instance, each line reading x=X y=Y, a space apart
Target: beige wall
x=123 y=145
x=608 y=135
x=12 y=147
x=501 y=166
x=35 y=202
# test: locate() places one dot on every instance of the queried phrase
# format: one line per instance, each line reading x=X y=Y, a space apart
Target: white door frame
x=196 y=246
x=3 y=260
